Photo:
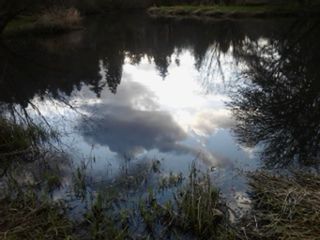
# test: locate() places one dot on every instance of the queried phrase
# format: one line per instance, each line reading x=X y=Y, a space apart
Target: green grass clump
x=201 y=209
x=99 y=225
x=197 y=211
x=79 y=180
x=284 y=207
x=16 y=138
x=19 y=142
x=53 y=181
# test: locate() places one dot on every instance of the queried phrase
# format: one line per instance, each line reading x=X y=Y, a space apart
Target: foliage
x=19 y=142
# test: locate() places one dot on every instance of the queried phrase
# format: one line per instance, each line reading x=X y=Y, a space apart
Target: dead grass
x=24 y=216
x=285 y=208
x=59 y=18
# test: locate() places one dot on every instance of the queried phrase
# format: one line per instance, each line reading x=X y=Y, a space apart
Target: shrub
x=59 y=18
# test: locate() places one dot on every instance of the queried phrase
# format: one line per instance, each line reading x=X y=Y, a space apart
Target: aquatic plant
x=100 y=225
x=201 y=209
x=79 y=180
x=19 y=142
x=173 y=180
x=130 y=206
x=197 y=210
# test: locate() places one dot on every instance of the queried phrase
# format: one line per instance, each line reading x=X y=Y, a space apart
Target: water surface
x=232 y=96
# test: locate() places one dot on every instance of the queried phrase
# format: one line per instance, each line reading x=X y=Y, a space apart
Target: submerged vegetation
x=132 y=207
x=201 y=209
x=29 y=211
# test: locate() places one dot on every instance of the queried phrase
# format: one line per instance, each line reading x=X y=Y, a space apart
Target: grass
x=26 y=166
x=79 y=180
x=21 y=23
x=232 y=11
x=53 y=20
x=201 y=209
x=25 y=216
x=196 y=211
x=284 y=207
x=19 y=142
x=100 y=225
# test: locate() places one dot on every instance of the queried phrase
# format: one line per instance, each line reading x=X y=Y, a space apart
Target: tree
x=278 y=106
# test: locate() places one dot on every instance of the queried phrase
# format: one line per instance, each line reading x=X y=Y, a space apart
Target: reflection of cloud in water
x=125 y=130
x=206 y=122
x=146 y=114
x=134 y=95
x=131 y=122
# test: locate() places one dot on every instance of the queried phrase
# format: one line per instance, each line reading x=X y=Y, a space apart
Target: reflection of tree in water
x=215 y=71
x=280 y=106
x=111 y=74
x=60 y=65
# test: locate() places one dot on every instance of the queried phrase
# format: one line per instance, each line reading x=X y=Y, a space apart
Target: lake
x=129 y=91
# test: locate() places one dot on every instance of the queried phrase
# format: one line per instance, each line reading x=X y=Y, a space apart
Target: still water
x=233 y=96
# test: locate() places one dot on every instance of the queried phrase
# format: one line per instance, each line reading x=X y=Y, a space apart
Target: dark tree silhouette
x=279 y=106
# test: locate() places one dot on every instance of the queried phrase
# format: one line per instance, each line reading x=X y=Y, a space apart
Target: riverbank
x=51 y=21
x=233 y=11
x=283 y=207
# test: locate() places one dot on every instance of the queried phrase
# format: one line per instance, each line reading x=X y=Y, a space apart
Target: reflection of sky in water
x=179 y=118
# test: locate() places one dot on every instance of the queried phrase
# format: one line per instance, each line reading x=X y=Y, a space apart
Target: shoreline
x=51 y=21
x=230 y=12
